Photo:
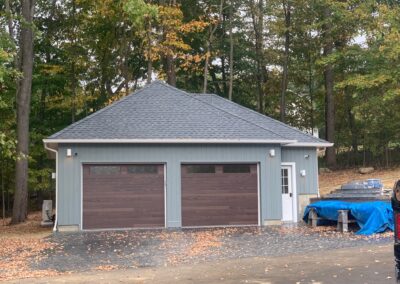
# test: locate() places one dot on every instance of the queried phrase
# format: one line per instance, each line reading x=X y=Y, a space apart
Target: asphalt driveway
x=108 y=250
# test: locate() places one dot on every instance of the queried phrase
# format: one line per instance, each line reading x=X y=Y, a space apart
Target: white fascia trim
x=56 y=199
x=310 y=144
x=183 y=141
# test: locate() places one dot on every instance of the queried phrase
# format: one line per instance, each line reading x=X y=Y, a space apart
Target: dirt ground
x=331 y=181
x=21 y=243
x=29 y=229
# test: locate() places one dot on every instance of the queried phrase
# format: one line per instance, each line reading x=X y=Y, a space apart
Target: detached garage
x=162 y=157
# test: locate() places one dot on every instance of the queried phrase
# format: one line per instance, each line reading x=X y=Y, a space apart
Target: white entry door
x=288 y=194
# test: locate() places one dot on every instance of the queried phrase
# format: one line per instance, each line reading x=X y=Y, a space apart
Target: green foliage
x=7 y=146
x=139 y=12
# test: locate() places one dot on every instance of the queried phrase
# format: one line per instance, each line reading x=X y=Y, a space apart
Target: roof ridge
x=100 y=111
x=212 y=106
x=265 y=116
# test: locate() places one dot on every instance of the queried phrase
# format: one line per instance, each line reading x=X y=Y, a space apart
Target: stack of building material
x=366 y=190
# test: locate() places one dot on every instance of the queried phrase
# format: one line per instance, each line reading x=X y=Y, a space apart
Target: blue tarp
x=372 y=217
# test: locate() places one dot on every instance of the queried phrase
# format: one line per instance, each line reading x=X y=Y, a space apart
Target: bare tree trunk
x=284 y=84
x=73 y=101
x=208 y=46
x=387 y=155
x=311 y=91
x=257 y=14
x=3 y=200
x=73 y=67
x=352 y=126
x=171 y=74
x=205 y=75
x=20 y=207
x=149 y=55
x=124 y=61
x=11 y=33
x=9 y=20
x=223 y=74
x=230 y=51
x=329 y=96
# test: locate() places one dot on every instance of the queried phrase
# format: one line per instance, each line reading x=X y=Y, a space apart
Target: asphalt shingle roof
x=264 y=121
x=162 y=112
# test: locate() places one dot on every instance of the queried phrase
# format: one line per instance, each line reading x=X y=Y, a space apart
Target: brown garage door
x=219 y=194
x=123 y=196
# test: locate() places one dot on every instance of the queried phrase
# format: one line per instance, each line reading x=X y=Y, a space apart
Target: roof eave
x=310 y=144
x=168 y=141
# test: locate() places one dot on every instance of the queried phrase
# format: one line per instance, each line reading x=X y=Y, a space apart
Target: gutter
x=310 y=144
x=172 y=141
x=56 y=205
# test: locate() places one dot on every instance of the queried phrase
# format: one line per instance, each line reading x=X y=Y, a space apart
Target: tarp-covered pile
x=372 y=217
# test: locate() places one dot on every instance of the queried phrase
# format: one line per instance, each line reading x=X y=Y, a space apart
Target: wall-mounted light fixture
x=272 y=153
x=303 y=173
x=306 y=156
x=69 y=153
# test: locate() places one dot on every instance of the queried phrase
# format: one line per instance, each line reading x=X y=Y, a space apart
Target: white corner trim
x=81 y=199
x=259 y=194
x=309 y=144
x=56 y=205
x=188 y=141
x=165 y=196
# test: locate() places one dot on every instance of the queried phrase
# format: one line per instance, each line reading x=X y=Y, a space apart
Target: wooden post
x=312 y=218
x=343 y=221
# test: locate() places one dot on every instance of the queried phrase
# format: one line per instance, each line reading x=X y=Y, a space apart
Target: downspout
x=316 y=155
x=56 y=206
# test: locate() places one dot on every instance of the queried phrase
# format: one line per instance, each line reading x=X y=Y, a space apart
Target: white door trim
x=292 y=166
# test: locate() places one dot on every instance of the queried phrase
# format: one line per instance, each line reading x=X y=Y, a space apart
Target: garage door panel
x=124 y=184
x=125 y=197
x=209 y=203
x=116 y=198
x=208 y=195
x=219 y=198
x=121 y=222
x=109 y=205
x=227 y=220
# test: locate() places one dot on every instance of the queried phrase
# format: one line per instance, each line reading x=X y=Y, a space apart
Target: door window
x=285 y=181
x=200 y=169
x=104 y=170
x=142 y=169
x=232 y=168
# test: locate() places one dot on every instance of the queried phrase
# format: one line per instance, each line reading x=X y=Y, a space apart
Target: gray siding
x=309 y=183
x=70 y=179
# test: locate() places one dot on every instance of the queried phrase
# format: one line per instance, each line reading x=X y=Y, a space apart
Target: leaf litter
x=21 y=245
x=110 y=250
